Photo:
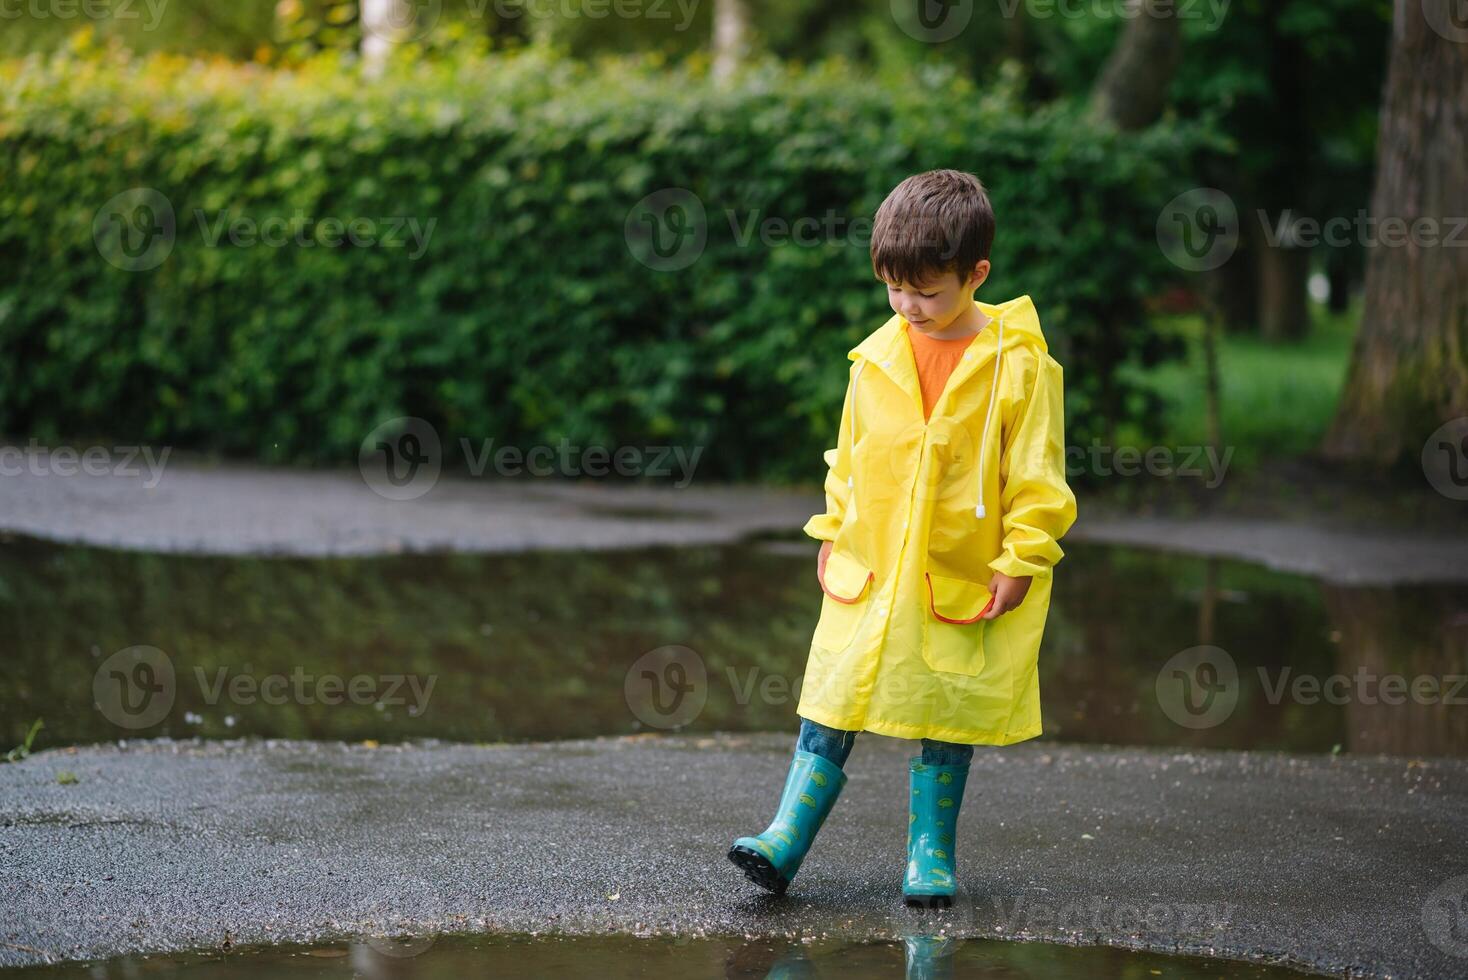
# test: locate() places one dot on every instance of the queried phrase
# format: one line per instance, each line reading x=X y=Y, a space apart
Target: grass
x=1276 y=399
x=23 y=750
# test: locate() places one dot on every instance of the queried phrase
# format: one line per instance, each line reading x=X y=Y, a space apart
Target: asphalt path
x=1344 y=865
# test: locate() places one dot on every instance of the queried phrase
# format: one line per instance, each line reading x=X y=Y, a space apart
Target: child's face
x=937 y=302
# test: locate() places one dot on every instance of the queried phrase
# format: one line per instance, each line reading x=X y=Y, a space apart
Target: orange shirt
x=935 y=361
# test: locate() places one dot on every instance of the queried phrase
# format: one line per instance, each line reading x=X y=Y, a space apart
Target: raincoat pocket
x=846 y=584
x=953 y=633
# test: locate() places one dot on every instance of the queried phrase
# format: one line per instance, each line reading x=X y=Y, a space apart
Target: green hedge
x=528 y=318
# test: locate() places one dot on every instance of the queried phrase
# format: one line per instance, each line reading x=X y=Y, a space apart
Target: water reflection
x=916 y=957
x=924 y=957
x=544 y=645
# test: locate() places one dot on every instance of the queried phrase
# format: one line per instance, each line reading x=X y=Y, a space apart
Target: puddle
x=613 y=958
x=536 y=646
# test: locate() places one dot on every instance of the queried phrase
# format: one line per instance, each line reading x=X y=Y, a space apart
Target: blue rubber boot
x=932 y=825
x=770 y=859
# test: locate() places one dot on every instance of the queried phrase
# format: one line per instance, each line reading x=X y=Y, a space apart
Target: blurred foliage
x=528 y=317
x=1297 y=86
x=262 y=30
x=1276 y=400
x=1290 y=86
x=1317 y=143
x=234 y=28
x=304 y=27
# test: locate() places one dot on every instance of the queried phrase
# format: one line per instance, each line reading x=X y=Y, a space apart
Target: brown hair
x=932 y=223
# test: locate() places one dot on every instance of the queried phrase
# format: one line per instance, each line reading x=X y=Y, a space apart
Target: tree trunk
x=1235 y=285
x=1409 y=370
x=731 y=37
x=1284 y=261
x=381 y=22
x=1212 y=387
x=1339 y=271
x=1284 y=310
x=1132 y=88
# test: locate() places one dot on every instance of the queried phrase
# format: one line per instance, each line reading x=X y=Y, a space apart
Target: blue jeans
x=835 y=744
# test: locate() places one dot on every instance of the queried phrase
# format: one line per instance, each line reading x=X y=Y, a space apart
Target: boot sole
x=758 y=869
x=929 y=901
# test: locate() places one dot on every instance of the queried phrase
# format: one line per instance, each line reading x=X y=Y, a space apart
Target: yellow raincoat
x=921 y=515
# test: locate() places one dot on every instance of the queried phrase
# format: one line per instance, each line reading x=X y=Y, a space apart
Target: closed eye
x=897 y=289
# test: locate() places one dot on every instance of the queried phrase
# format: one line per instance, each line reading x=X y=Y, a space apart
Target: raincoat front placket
x=907 y=380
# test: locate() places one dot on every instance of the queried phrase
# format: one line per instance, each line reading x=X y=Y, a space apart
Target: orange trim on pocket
x=927 y=577
x=853 y=599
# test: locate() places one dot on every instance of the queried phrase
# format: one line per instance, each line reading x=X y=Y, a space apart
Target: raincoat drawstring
x=979 y=509
x=851 y=462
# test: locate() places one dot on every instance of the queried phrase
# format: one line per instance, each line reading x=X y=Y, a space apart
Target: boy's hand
x=1008 y=593
x=821 y=562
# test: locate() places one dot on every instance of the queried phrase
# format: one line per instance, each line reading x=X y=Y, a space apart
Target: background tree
x=731 y=36
x=1132 y=89
x=380 y=21
x=1409 y=369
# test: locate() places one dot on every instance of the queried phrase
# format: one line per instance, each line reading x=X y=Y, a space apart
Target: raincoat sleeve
x=1037 y=504
x=823 y=527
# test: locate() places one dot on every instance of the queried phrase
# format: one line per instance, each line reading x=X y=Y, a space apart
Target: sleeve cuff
x=822 y=527
x=1015 y=567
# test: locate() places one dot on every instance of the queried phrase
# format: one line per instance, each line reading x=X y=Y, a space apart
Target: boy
x=945 y=500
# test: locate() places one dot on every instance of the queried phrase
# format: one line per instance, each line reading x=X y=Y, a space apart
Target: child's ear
x=980 y=273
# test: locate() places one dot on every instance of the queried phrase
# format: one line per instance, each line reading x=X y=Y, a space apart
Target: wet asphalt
x=1344 y=865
